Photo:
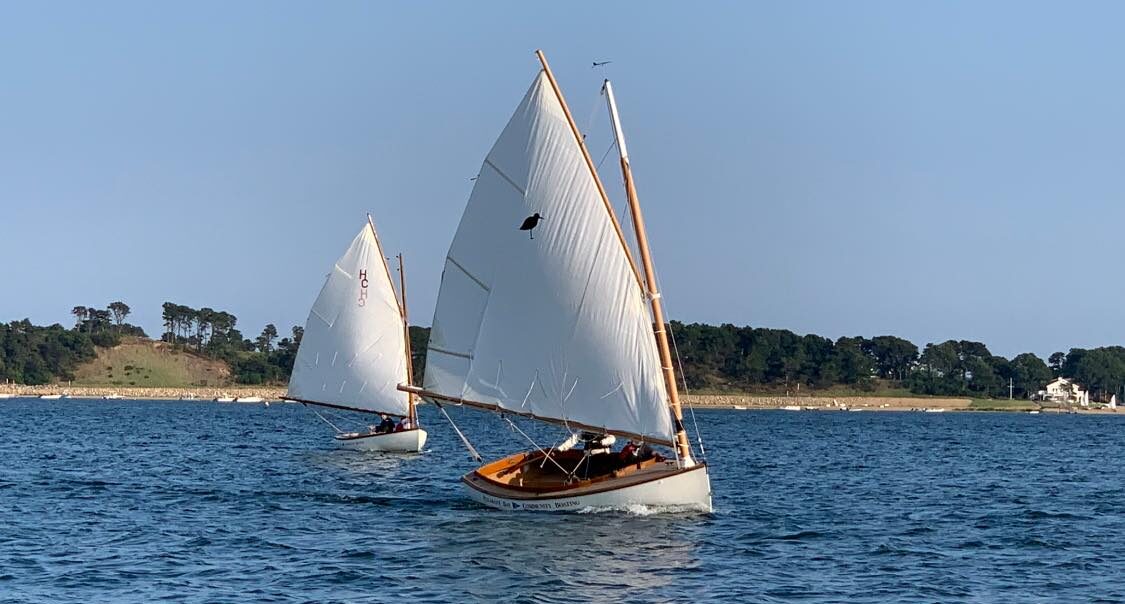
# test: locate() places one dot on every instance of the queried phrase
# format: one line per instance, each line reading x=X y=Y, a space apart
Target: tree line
x=33 y=354
x=727 y=357
x=713 y=358
x=214 y=333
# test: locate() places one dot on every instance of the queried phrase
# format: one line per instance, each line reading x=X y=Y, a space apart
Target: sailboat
x=356 y=349
x=560 y=325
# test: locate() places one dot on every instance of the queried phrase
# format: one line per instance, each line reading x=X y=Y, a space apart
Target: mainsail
x=352 y=354
x=553 y=327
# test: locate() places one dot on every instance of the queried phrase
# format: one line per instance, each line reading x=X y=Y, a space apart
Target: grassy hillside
x=144 y=363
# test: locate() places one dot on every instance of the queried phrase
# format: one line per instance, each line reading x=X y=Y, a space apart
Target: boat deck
x=530 y=476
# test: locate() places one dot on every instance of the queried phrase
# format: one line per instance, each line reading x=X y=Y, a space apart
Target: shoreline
x=694 y=401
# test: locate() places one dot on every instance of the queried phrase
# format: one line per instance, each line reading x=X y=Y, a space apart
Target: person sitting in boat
x=403 y=425
x=597 y=444
x=629 y=452
x=386 y=425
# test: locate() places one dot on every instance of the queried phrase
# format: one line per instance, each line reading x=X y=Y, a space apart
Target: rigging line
x=683 y=379
x=340 y=418
x=533 y=443
x=468 y=445
x=577 y=466
x=606 y=154
x=325 y=420
x=551 y=450
x=593 y=115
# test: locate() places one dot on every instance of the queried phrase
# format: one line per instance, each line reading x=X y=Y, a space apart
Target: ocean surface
x=140 y=501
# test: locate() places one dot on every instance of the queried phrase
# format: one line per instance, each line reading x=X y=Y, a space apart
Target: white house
x=1062 y=390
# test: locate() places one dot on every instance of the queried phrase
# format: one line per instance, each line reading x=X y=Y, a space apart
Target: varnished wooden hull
x=654 y=485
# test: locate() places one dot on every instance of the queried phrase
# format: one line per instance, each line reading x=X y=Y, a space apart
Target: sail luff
x=589 y=163
x=402 y=313
x=682 y=445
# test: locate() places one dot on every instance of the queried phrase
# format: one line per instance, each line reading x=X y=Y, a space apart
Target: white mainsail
x=556 y=326
x=353 y=353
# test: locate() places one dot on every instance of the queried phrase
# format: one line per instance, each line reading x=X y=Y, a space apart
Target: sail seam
x=468 y=274
x=489 y=163
x=450 y=352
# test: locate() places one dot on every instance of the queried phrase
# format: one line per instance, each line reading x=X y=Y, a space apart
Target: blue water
x=137 y=501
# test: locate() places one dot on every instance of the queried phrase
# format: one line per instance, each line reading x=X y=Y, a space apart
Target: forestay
x=554 y=326
x=353 y=350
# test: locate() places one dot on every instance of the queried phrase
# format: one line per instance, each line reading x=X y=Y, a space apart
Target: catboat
x=355 y=350
x=560 y=325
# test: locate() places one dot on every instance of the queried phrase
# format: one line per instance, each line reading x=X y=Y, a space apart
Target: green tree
x=1056 y=360
x=265 y=340
x=119 y=310
x=1029 y=374
x=81 y=313
x=894 y=357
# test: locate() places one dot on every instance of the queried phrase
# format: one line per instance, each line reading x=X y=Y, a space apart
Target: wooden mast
x=406 y=333
x=589 y=163
x=682 y=445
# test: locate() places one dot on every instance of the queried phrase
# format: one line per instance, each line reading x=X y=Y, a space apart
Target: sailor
x=404 y=424
x=629 y=451
x=387 y=425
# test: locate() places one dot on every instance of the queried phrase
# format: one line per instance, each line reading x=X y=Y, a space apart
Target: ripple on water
x=199 y=502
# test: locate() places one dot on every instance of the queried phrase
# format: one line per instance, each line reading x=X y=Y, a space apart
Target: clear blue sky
x=929 y=170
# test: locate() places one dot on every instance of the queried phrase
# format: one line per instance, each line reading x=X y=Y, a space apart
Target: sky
x=943 y=170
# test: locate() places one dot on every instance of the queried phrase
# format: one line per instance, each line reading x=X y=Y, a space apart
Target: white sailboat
x=356 y=349
x=557 y=325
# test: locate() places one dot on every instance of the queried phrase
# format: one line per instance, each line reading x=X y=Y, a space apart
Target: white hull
x=407 y=441
x=50 y=397
x=6 y=396
x=686 y=491
x=249 y=399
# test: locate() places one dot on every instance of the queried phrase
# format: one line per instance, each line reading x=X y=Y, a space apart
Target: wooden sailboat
x=356 y=348
x=561 y=326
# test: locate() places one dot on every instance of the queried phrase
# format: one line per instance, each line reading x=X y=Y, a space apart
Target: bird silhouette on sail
x=530 y=223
